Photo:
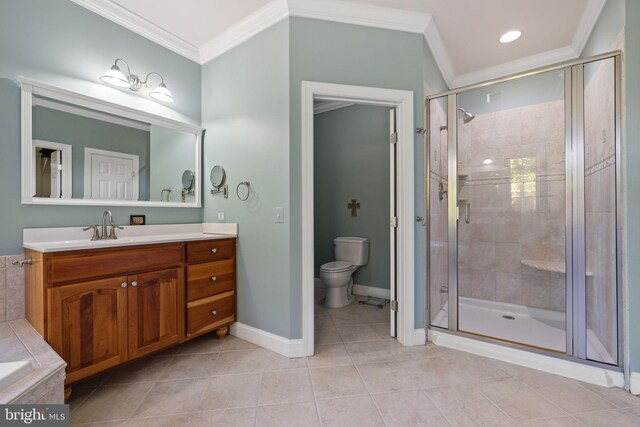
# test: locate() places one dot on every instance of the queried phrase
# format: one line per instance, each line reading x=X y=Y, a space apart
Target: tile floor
x=358 y=377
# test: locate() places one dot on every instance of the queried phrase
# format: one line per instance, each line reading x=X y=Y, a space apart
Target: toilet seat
x=336 y=267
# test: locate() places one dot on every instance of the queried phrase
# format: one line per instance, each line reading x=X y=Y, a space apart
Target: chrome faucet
x=103 y=232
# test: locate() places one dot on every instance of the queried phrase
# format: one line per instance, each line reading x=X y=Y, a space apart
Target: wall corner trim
x=634 y=383
x=286 y=347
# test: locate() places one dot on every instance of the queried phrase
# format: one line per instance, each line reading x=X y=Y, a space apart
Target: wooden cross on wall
x=354 y=206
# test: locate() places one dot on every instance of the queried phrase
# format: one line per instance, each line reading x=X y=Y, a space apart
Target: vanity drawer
x=210 y=250
x=80 y=265
x=209 y=313
x=208 y=279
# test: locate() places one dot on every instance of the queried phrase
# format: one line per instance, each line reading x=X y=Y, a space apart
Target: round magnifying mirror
x=217 y=176
x=187 y=180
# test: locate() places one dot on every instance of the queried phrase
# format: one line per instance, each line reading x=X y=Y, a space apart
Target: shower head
x=466 y=116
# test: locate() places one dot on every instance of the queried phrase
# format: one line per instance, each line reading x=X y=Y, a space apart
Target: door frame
x=402 y=101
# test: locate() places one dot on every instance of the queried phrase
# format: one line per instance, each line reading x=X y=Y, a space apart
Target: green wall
x=632 y=182
x=351 y=161
x=84 y=132
x=63 y=44
x=245 y=108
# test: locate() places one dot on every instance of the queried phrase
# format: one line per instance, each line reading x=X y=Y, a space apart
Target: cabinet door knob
x=214 y=312
x=214 y=250
x=123 y=284
x=214 y=278
x=134 y=283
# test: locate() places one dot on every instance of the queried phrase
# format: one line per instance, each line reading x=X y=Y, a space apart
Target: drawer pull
x=214 y=278
x=214 y=250
x=214 y=312
x=123 y=284
x=134 y=283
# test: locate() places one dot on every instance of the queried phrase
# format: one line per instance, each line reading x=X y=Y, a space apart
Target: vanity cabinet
x=87 y=325
x=99 y=308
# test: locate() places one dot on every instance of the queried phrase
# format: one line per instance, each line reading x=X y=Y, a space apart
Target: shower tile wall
x=600 y=199
x=438 y=267
x=511 y=166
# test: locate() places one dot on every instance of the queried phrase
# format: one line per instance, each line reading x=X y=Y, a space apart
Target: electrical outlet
x=279 y=215
x=221 y=216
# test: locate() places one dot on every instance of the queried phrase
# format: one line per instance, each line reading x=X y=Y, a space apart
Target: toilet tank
x=354 y=250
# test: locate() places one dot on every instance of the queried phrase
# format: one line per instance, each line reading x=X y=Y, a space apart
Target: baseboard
x=370 y=291
x=362 y=290
x=419 y=337
x=552 y=365
x=287 y=347
x=634 y=383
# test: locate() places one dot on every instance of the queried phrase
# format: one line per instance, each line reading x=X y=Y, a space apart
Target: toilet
x=351 y=253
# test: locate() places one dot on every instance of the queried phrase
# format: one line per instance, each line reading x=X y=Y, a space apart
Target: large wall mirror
x=78 y=150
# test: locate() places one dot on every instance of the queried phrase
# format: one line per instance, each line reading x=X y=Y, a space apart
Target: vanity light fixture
x=510 y=36
x=115 y=77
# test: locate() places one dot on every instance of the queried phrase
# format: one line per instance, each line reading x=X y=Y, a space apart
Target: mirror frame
x=31 y=88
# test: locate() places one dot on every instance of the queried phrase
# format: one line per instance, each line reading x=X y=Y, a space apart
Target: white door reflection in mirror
x=52 y=168
x=110 y=175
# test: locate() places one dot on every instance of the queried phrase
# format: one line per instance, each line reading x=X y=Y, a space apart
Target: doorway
x=400 y=225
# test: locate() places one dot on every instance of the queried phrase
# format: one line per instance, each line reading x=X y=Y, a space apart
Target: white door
x=393 y=215
x=110 y=175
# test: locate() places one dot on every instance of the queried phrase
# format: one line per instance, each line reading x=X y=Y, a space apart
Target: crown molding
x=360 y=14
x=141 y=26
x=440 y=54
x=588 y=20
x=513 y=67
x=258 y=21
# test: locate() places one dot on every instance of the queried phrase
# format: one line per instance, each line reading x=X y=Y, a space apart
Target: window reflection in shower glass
x=600 y=211
x=511 y=231
x=438 y=247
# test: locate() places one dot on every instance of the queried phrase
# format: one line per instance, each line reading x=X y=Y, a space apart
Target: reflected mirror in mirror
x=217 y=176
x=187 y=180
x=82 y=153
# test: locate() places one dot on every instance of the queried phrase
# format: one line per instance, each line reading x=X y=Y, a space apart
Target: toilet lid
x=336 y=266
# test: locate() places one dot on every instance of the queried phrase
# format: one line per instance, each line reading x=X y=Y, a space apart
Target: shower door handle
x=467 y=213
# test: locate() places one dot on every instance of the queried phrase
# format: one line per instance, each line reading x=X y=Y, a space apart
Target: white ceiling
x=462 y=34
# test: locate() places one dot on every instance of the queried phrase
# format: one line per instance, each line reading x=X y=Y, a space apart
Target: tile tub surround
x=45 y=384
x=245 y=385
x=11 y=289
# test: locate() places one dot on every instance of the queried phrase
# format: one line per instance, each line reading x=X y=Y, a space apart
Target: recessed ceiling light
x=487 y=161
x=510 y=36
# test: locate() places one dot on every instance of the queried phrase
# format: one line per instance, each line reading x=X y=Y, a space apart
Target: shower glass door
x=511 y=211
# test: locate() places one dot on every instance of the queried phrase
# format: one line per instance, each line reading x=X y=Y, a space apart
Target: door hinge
x=394 y=222
x=394 y=305
x=394 y=138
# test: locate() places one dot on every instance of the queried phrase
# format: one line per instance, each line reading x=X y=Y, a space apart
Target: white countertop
x=74 y=238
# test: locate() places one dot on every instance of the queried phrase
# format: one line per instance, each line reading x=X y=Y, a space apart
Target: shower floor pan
x=535 y=327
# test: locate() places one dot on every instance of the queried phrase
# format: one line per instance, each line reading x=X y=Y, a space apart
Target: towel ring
x=246 y=184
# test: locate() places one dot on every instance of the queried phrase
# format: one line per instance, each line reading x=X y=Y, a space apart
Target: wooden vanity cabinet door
x=156 y=310
x=87 y=325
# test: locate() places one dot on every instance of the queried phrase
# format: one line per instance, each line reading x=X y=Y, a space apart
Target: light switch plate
x=279 y=215
x=220 y=216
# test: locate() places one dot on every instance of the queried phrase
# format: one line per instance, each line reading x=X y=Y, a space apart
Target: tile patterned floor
x=358 y=377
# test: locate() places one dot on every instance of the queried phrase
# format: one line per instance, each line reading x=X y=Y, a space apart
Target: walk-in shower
x=522 y=197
